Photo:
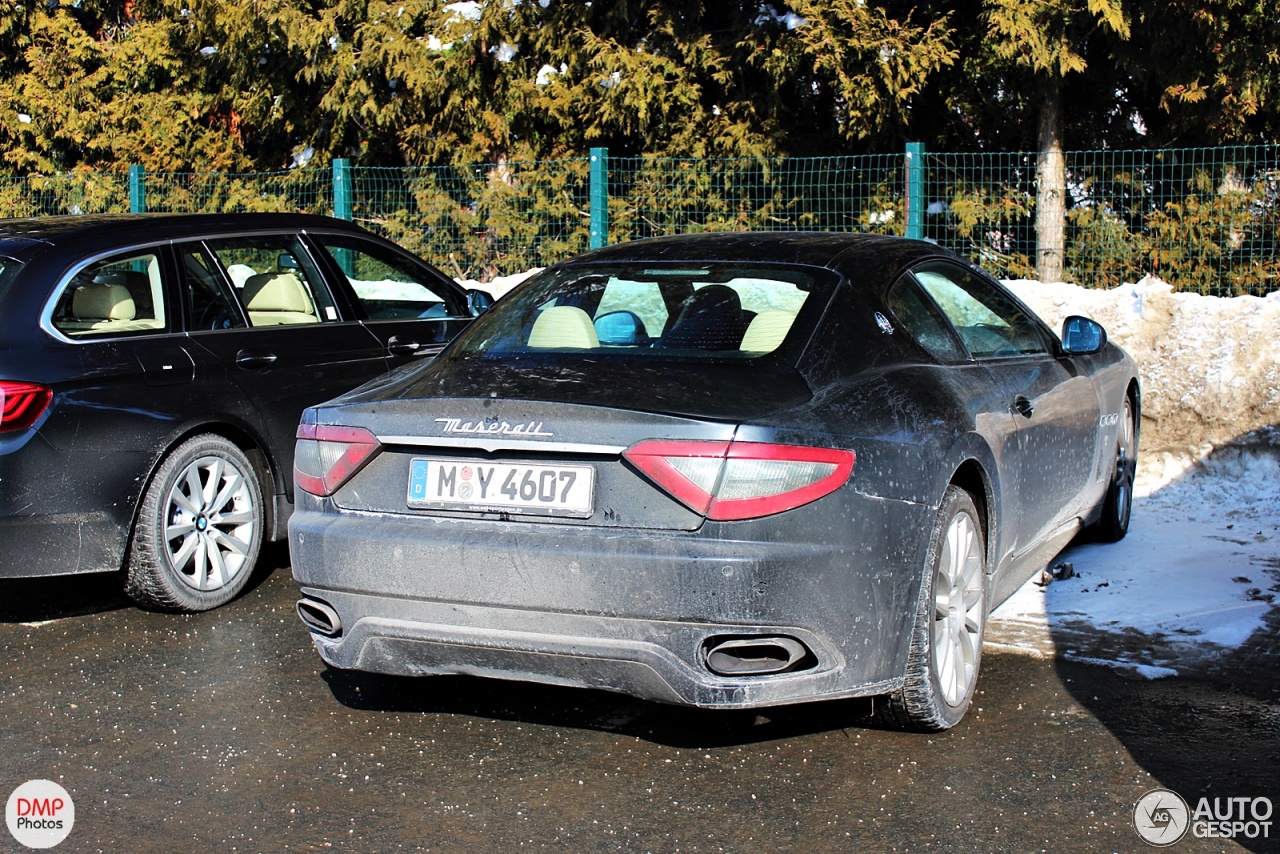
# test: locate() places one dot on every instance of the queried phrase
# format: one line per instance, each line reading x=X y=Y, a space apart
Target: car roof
x=812 y=248
x=22 y=237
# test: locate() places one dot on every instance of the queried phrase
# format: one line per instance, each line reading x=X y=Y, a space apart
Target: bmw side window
x=921 y=320
x=388 y=286
x=275 y=280
x=989 y=323
x=122 y=295
x=209 y=303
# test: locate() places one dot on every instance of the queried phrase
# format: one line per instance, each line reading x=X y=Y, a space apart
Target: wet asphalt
x=225 y=732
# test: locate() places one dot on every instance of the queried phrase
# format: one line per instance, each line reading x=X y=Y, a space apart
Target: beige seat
x=277 y=299
x=766 y=332
x=139 y=286
x=563 y=327
x=96 y=307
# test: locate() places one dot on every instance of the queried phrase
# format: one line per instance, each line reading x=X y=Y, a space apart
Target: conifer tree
x=1047 y=38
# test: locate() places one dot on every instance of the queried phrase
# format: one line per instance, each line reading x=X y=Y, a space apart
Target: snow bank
x=1210 y=366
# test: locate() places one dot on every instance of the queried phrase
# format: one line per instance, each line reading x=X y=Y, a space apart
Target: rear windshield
x=687 y=312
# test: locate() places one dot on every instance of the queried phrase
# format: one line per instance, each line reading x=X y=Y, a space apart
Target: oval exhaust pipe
x=320 y=617
x=754 y=656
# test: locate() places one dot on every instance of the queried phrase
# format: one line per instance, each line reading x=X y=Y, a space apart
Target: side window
x=123 y=295
x=209 y=303
x=389 y=286
x=921 y=320
x=989 y=323
x=275 y=280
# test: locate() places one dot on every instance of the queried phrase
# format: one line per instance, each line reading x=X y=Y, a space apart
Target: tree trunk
x=1051 y=189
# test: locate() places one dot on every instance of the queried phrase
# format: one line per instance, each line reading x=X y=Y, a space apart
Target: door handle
x=254 y=359
x=1023 y=407
x=398 y=346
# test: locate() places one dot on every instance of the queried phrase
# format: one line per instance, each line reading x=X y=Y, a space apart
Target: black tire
x=946 y=637
x=1117 y=506
x=199 y=529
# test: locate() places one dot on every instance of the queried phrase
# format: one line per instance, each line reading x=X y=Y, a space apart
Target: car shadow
x=37 y=600
x=581 y=708
x=1213 y=729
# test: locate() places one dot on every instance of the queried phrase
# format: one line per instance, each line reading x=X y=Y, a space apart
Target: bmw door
x=412 y=308
x=258 y=306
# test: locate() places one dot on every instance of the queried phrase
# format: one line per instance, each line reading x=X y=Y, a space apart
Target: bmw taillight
x=727 y=481
x=327 y=456
x=21 y=404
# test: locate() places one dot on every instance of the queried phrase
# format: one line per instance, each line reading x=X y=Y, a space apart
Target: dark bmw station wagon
x=152 y=372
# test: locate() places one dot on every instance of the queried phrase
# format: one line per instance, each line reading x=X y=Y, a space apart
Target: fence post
x=915 y=190
x=137 y=189
x=342 y=207
x=599 y=201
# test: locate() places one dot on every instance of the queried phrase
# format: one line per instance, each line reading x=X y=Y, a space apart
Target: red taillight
x=326 y=457
x=726 y=481
x=21 y=404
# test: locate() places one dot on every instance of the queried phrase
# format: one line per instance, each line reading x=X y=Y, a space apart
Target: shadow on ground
x=35 y=600
x=1185 y=730
x=579 y=708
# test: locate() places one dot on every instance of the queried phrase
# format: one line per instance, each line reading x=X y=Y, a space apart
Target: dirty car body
x=716 y=470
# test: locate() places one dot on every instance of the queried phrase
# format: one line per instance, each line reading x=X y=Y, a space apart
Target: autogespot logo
x=40 y=814
x=1161 y=817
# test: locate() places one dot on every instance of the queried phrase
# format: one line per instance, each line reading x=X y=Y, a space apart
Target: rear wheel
x=950 y=620
x=1118 y=504
x=199 y=529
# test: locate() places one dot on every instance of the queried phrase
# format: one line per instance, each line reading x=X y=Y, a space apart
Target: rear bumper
x=628 y=611
x=608 y=653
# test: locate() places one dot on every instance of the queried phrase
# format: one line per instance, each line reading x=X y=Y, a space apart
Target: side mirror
x=285 y=261
x=478 y=302
x=620 y=329
x=1082 y=336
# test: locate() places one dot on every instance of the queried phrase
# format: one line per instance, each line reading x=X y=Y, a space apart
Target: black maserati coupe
x=724 y=470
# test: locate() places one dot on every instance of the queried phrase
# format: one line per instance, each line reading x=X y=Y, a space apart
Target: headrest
x=102 y=302
x=766 y=331
x=131 y=279
x=563 y=327
x=276 y=292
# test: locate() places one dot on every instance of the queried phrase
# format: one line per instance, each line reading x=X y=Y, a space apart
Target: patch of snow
x=547 y=72
x=1187 y=584
x=499 y=285
x=470 y=10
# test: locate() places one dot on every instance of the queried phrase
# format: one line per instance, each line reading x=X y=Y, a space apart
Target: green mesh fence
x=1205 y=220
x=74 y=193
x=1202 y=219
x=477 y=222
x=651 y=196
x=223 y=192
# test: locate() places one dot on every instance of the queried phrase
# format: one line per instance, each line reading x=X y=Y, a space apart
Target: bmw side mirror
x=1082 y=336
x=478 y=302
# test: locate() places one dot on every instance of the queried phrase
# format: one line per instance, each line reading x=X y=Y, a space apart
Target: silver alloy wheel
x=959 y=610
x=209 y=523
x=1125 y=465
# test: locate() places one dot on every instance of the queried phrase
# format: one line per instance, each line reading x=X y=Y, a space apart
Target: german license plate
x=529 y=488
